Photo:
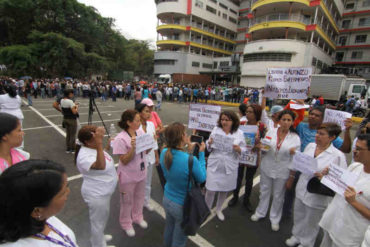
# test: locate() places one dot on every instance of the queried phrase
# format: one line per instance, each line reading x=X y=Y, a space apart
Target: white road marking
x=52 y=109
x=59 y=125
x=60 y=115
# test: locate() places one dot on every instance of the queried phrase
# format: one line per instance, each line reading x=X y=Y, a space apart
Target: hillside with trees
x=56 y=38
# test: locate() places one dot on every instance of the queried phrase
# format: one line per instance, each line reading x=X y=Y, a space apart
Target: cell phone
x=197 y=139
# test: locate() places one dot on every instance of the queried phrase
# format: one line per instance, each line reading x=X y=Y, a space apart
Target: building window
x=195 y=64
x=366 y=3
x=314 y=61
x=342 y=40
x=356 y=55
x=275 y=56
x=346 y=23
x=339 y=56
x=364 y=22
x=350 y=5
x=360 y=38
x=210 y=9
x=223 y=6
x=215 y=65
x=207 y=65
x=319 y=64
x=199 y=4
x=164 y=62
x=224 y=16
x=224 y=63
x=233 y=11
x=233 y=20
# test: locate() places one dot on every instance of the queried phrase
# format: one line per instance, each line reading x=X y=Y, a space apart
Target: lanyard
x=56 y=241
x=279 y=142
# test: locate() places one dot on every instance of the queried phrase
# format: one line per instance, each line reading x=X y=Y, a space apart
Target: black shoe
x=233 y=201
x=248 y=205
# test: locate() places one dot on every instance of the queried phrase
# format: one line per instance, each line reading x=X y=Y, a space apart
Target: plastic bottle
x=112 y=131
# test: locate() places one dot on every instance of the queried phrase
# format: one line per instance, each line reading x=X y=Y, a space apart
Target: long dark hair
x=23 y=187
x=84 y=134
x=233 y=117
x=173 y=136
x=11 y=90
x=8 y=123
x=292 y=114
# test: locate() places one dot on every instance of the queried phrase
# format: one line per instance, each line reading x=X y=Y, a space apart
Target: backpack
x=195 y=210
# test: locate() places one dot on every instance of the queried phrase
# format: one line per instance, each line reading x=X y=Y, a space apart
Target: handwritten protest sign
x=249 y=132
x=203 y=117
x=248 y=157
x=338 y=117
x=144 y=142
x=304 y=163
x=338 y=179
x=288 y=83
x=223 y=143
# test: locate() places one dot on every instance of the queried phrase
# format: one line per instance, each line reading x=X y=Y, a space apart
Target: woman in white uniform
x=152 y=156
x=273 y=122
x=347 y=218
x=11 y=103
x=32 y=192
x=275 y=168
x=222 y=168
x=99 y=180
x=309 y=207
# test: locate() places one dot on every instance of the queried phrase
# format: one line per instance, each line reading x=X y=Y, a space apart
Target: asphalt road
x=44 y=139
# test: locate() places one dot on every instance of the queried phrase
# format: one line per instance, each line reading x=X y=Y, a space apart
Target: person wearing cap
x=273 y=122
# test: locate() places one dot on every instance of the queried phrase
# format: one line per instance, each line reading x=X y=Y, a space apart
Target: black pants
x=249 y=174
x=160 y=172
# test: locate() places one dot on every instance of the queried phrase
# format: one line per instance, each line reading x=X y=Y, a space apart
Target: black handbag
x=316 y=187
x=195 y=210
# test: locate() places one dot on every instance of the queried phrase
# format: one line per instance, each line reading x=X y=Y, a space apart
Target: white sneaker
x=292 y=241
x=149 y=207
x=275 y=227
x=143 y=224
x=255 y=218
x=220 y=215
x=108 y=237
x=130 y=232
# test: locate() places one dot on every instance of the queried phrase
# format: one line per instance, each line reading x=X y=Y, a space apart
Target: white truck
x=164 y=79
x=333 y=86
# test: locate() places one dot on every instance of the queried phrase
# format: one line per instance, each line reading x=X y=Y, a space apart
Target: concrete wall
x=179 y=7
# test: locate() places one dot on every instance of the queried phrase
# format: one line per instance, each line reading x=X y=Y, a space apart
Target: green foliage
x=54 y=38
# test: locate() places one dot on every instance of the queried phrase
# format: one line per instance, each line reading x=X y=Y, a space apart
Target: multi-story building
x=353 y=44
x=199 y=37
x=196 y=37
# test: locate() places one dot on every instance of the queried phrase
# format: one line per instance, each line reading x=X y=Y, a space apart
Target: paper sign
x=248 y=157
x=203 y=117
x=249 y=132
x=338 y=179
x=223 y=143
x=304 y=163
x=298 y=106
x=338 y=117
x=288 y=83
x=144 y=142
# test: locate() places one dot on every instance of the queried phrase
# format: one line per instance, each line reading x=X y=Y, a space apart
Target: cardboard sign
x=249 y=132
x=203 y=117
x=248 y=157
x=338 y=117
x=338 y=179
x=223 y=143
x=144 y=142
x=288 y=83
x=304 y=163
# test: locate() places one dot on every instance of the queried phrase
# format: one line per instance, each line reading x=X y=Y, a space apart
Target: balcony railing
x=281 y=17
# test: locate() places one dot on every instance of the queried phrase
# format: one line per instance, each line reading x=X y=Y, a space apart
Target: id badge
x=142 y=166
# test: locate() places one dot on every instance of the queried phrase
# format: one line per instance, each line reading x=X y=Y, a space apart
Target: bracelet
x=292 y=176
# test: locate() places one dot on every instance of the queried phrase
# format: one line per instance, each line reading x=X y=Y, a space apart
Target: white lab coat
x=309 y=207
x=222 y=167
x=366 y=242
x=268 y=121
x=345 y=225
x=274 y=173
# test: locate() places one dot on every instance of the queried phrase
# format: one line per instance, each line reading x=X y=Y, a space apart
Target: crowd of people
x=34 y=191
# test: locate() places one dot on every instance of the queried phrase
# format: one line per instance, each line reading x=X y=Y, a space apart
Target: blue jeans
x=29 y=98
x=173 y=234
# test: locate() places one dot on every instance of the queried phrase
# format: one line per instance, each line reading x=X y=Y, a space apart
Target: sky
x=135 y=19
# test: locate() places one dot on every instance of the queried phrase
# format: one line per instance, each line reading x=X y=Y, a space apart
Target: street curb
x=215 y=102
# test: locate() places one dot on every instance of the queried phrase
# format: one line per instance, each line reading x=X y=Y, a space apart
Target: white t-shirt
x=11 y=105
x=96 y=182
x=67 y=103
x=366 y=242
x=150 y=129
x=57 y=224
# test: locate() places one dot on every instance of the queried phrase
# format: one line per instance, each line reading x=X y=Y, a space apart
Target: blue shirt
x=307 y=135
x=178 y=175
x=195 y=92
x=145 y=93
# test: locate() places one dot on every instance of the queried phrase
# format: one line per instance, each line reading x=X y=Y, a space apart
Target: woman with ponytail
x=99 y=180
x=174 y=162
